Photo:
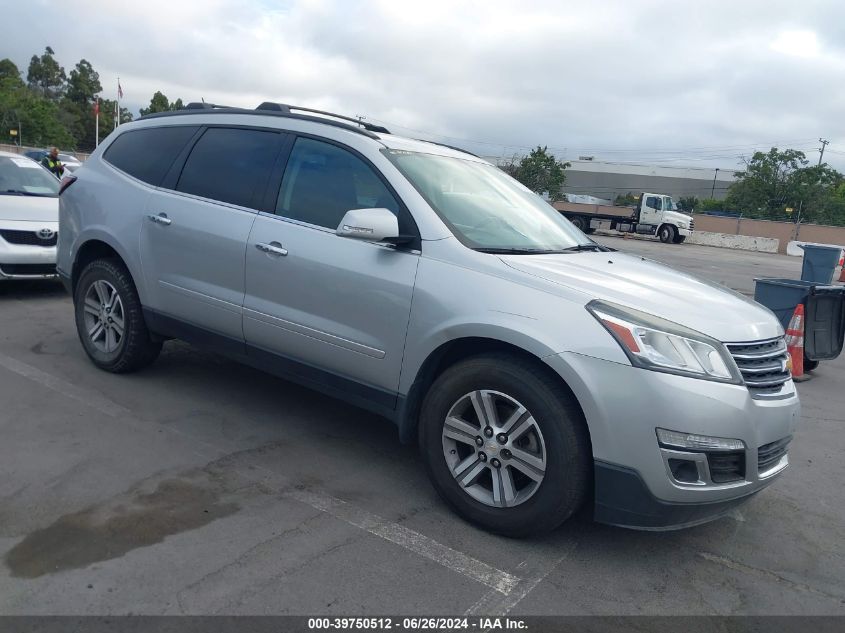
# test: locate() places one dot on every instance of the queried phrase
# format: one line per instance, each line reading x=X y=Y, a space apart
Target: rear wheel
x=667 y=233
x=810 y=365
x=579 y=222
x=505 y=445
x=109 y=320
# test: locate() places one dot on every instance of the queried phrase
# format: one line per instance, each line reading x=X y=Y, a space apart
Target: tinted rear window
x=147 y=154
x=230 y=165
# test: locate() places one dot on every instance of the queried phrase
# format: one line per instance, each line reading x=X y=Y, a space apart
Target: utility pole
x=821 y=151
x=713 y=188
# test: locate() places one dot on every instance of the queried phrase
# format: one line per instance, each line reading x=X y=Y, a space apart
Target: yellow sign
x=13 y=132
x=789 y=210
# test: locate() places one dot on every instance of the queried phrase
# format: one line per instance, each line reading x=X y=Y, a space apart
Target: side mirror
x=374 y=225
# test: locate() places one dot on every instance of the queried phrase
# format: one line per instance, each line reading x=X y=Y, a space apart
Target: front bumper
x=685 y=232
x=625 y=405
x=27 y=261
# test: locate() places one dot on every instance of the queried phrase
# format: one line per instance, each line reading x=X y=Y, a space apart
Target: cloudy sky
x=664 y=82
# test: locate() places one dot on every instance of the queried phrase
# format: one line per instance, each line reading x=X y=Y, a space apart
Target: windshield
x=23 y=176
x=669 y=204
x=485 y=208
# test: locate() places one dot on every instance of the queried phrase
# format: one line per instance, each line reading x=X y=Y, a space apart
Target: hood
x=29 y=208
x=678 y=217
x=657 y=289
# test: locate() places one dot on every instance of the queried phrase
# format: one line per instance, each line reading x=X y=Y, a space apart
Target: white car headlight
x=660 y=345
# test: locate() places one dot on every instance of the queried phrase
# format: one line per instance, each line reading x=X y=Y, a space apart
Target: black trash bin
x=824 y=312
x=819 y=262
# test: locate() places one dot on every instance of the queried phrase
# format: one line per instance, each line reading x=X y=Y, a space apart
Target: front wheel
x=679 y=239
x=667 y=233
x=109 y=320
x=506 y=445
x=579 y=222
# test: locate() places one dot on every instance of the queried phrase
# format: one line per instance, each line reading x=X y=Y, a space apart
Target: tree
x=46 y=76
x=38 y=117
x=541 y=172
x=83 y=84
x=9 y=74
x=776 y=181
x=688 y=203
x=627 y=200
x=160 y=103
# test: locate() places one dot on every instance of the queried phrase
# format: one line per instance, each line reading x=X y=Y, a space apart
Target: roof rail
x=278 y=109
x=457 y=149
x=284 y=107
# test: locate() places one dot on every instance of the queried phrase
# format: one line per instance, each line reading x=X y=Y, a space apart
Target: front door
x=337 y=307
x=194 y=237
x=652 y=210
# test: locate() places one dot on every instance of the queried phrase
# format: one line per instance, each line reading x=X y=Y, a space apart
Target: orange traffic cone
x=795 y=344
x=842 y=268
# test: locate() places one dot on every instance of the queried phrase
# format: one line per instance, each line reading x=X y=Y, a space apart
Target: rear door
x=337 y=306
x=197 y=224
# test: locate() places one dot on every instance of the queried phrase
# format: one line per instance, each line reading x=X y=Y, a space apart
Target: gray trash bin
x=819 y=263
x=824 y=312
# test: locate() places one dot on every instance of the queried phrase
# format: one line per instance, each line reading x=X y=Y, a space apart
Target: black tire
x=667 y=233
x=579 y=222
x=810 y=365
x=567 y=480
x=679 y=239
x=136 y=348
x=589 y=231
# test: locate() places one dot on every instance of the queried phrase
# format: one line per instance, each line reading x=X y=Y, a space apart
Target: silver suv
x=537 y=369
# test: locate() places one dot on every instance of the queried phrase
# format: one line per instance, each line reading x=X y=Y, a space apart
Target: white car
x=29 y=218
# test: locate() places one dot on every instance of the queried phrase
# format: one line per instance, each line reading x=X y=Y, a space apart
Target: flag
x=96 y=107
x=119 y=90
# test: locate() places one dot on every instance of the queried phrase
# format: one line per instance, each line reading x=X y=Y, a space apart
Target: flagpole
x=97 y=125
x=117 y=115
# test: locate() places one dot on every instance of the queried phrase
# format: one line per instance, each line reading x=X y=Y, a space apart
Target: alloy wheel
x=104 y=316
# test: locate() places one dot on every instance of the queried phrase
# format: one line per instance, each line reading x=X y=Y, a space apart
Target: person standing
x=51 y=161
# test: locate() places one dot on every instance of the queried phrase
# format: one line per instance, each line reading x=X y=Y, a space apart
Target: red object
x=67 y=181
x=795 y=341
x=624 y=334
x=96 y=107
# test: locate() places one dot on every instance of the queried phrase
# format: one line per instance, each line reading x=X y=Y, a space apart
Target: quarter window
x=231 y=165
x=322 y=182
x=148 y=153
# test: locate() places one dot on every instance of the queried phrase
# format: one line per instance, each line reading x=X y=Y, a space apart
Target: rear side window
x=231 y=165
x=322 y=182
x=147 y=154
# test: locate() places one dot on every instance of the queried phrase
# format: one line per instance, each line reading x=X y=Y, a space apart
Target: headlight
x=660 y=345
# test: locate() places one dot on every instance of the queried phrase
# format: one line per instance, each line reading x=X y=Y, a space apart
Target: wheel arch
x=95 y=247
x=451 y=352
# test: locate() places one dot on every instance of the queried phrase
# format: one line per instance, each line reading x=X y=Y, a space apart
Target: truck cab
x=659 y=211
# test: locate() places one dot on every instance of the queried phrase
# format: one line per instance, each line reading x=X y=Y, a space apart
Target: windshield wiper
x=517 y=251
x=18 y=192
x=592 y=246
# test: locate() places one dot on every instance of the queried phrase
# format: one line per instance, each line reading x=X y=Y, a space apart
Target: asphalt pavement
x=200 y=486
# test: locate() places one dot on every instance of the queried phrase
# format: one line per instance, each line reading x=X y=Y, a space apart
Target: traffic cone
x=795 y=344
x=842 y=268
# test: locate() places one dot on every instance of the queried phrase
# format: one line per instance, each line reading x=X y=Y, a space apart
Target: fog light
x=693 y=442
x=684 y=470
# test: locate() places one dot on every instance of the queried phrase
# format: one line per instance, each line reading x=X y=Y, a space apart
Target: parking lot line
x=496 y=604
x=500 y=582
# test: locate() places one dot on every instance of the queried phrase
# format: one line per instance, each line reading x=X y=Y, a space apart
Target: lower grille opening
x=684 y=470
x=28 y=269
x=769 y=455
x=726 y=466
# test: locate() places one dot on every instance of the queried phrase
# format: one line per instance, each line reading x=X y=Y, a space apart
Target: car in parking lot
x=70 y=162
x=537 y=369
x=29 y=219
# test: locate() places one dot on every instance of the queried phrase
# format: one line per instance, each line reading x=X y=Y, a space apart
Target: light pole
x=713 y=188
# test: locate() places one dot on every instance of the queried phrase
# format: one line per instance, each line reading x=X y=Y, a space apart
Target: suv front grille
x=762 y=364
x=28 y=238
x=726 y=466
x=769 y=455
x=28 y=269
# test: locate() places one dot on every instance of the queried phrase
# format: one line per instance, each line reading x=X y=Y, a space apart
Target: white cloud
x=615 y=78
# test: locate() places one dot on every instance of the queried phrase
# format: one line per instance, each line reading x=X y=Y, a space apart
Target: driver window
x=322 y=182
x=653 y=202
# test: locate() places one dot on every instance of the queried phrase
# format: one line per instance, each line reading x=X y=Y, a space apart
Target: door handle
x=161 y=218
x=273 y=248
